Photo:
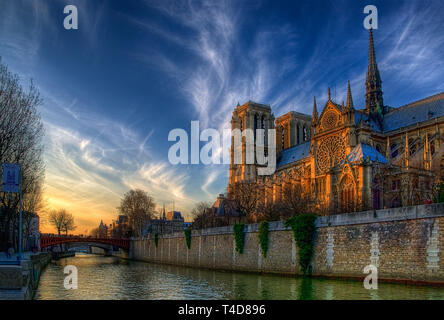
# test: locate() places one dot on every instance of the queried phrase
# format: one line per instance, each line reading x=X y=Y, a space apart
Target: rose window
x=330 y=153
x=329 y=120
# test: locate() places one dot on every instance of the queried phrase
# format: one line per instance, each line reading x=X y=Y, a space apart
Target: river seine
x=102 y=277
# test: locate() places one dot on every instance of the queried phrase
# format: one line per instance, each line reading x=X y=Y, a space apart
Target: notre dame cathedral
x=350 y=159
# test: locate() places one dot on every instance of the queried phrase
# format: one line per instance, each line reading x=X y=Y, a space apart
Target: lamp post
x=12 y=183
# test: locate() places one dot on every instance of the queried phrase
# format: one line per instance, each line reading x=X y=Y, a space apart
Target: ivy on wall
x=263 y=237
x=238 y=230
x=156 y=239
x=303 y=227
x=188 y=237
x=439 y=193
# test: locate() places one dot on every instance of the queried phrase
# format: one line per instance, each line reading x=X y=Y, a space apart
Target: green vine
x=303 y=227
x=238 y=230
x=156 y=239
x=263 y=237
x=439 y=193
x=188 y=237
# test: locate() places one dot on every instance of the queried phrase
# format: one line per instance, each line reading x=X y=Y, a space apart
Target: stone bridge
x=105 y=243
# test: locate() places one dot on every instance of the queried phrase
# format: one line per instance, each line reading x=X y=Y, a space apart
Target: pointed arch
x=377 y=192
x=347 y=193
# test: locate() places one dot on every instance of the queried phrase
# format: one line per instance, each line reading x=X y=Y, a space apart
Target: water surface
x=102 y=277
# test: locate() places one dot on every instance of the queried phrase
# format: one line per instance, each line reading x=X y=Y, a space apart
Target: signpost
x=12 y=179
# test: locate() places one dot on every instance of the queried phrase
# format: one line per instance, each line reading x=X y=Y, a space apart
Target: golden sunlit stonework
x=347 y=159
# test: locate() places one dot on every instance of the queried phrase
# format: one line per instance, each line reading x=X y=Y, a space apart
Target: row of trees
x=247 y=205
x=21 y=134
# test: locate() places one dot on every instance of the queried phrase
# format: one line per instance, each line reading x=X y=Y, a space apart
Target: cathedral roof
x=363 y=151
x=419 y=111
x=361 y=116
x=293 y=154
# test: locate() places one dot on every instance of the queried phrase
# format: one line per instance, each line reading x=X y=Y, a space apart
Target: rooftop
x=418 y=111
x=293 y=154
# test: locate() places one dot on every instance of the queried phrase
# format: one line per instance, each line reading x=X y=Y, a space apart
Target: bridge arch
x=50 y=241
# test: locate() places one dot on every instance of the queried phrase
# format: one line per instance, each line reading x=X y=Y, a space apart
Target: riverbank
x=20 y=281
x=405 y=244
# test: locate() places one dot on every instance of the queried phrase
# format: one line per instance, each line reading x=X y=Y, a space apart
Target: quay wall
x=405 y=244
x=20 y=282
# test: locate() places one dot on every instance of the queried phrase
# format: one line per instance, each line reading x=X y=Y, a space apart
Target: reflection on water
x=112 y=278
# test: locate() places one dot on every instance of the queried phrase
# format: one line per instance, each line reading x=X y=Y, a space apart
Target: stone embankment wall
x=405 y=244
x=20 y=282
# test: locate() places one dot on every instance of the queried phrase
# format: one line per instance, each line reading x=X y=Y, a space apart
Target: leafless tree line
x=246 y=203
x=21 y=133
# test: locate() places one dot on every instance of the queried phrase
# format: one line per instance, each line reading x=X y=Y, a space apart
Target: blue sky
x=134 y=70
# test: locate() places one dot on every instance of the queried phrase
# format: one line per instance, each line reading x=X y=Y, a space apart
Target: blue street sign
x=11 y=176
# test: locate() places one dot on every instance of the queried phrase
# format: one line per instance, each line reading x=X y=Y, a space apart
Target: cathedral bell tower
x=253 y=116
x=374 y=103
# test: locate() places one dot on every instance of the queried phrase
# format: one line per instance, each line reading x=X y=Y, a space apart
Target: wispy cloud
x=92 y=161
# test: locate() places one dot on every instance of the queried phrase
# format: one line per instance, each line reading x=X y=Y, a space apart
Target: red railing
x=48 y=241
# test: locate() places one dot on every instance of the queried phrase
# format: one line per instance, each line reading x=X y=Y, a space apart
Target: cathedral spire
x=373 y=98
x=315 y=111
x=329 y=94
x=349 y=97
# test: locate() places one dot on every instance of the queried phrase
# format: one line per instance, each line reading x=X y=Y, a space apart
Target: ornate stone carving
x=329 y=120
x=330 y=153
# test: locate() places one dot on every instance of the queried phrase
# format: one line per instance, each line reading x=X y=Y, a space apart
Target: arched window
x=431 y=144
x=394 y=150
x=298 y=134
x=376 y=191
x=412 y=146
x=305 y=133
x=348 y=194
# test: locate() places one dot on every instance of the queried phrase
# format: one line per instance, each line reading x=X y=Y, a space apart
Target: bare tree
x=269 y=211
x=295 y=201
x=244 y=199
x=203 y=217
x=68 y=223
x=62 y=220
x=21 y=133
x=139 y=207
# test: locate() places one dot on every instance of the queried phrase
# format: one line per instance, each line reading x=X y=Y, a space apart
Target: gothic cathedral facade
x=350 y=159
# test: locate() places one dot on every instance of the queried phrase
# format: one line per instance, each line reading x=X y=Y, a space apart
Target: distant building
x=103 y=230
x=168 y=223
x=120 y=227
